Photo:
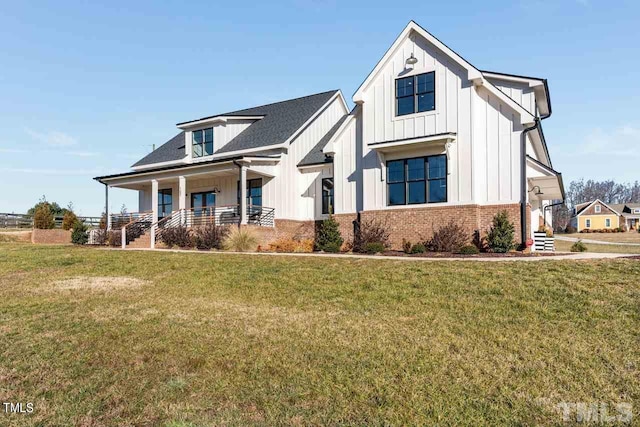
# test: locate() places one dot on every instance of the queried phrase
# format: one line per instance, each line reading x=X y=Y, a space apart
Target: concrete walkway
x=596 y=242
x=568 y=257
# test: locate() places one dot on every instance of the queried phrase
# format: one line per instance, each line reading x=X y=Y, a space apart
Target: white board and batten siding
x=347 y=168
x=299 y=189
x=483 y=163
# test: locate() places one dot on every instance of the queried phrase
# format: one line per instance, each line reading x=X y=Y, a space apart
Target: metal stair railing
x=138 y=225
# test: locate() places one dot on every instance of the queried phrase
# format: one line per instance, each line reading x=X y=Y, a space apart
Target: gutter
x=523 y=165
x=523 y=179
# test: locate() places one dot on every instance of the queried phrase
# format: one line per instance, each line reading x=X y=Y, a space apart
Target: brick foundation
x=418 y=224
x=51 y=237
x=412 y=224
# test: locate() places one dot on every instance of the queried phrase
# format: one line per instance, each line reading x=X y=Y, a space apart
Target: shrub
x=570 y=229
x=100 y=236
x=69 y=220
x=374 y=247
x=332 y=247
x=210 y=236
x=176 y=236
x=578 y=247
x=114 y=237
x=500 y=237
x=291 y=245
x=43 y=217
x=406 y=246
x=448 y=238
x=469 y=250
x=328 y=235
x=369 y=231
x=79 y=234
x=418 y=248
x=241 y=240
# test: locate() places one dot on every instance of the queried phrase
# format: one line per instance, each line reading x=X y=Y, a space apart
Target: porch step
x=144 y=241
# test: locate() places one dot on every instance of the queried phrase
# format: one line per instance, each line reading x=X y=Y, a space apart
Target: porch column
x=106 y=206
x=154 y=199
x=182 y=197
x=154 y=209
x=243 y=193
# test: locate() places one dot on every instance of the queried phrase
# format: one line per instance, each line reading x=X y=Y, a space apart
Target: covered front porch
x=239 y=191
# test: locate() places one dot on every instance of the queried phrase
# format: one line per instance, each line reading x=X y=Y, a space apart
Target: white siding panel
x=296 y=190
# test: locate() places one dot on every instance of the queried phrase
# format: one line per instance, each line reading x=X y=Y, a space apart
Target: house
x=595 y=215
x=431 y=139
x=629 y=215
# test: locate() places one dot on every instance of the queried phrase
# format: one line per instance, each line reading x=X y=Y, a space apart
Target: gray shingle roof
x=281 y=120
x=170 y=150
x=316 y=156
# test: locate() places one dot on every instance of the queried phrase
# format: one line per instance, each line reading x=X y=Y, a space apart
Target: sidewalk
x=568 y=257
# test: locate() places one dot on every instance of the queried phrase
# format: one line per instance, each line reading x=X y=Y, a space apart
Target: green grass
x=564 y=246
x=259 y=340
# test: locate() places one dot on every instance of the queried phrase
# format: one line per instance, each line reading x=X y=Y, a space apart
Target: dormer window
x=202 y=142
x=416 y=94
x=598 y=209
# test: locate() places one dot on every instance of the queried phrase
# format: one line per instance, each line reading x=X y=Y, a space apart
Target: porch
x=234 y=192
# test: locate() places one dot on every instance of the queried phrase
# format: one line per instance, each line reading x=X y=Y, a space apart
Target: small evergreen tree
x=328 y=237
x=79 y=235
x=43 y=217
x=501 y=234
x=69 y=220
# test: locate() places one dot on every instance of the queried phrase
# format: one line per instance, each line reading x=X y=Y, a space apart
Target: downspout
x=523 y=179
x=523 y=166
x=544 y=211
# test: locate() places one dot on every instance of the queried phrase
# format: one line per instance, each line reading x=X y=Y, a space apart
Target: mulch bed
x=480 y=255
x=632 y=257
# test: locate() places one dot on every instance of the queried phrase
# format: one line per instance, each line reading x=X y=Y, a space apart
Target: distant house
x=595 y=215
x=629 y=215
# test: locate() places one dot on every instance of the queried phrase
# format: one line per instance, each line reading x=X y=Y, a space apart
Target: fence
x=13 y=220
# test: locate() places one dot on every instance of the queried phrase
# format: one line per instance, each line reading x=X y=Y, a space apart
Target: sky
x=86 y=89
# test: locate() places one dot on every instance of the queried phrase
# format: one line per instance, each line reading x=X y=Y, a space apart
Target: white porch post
x=182 y=197
x=243 y=193
x=154 y=209
x=106 y=206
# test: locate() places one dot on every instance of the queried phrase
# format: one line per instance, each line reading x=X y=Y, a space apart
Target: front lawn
x=564 y=246
x=100 y=337
x=627 y=237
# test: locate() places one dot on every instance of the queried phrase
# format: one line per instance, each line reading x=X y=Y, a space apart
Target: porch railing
x=138 y=225
x=119 y=220
x=218 y=215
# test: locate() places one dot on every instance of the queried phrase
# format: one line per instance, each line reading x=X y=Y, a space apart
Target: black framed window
x=202 y=141
x=254 y=192
x=201 y=203
x=417 y=180
x=416 y=94
x=165 y=202
x=327 y=196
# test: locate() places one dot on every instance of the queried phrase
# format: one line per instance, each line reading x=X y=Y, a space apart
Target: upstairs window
x=636 y=211
x=598 y=209
x=416 y=94
x=202 y=142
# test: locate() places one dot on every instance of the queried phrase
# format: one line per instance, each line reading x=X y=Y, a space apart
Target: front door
x=203 y=203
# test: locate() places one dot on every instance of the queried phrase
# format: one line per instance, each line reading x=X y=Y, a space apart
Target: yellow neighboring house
x=595 y=215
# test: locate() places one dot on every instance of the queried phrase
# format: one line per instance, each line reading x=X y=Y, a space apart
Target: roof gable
x=473 y=74
x=279 y=122
x=585 y=208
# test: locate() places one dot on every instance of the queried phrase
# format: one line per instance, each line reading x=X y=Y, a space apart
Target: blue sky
x=86 y=89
